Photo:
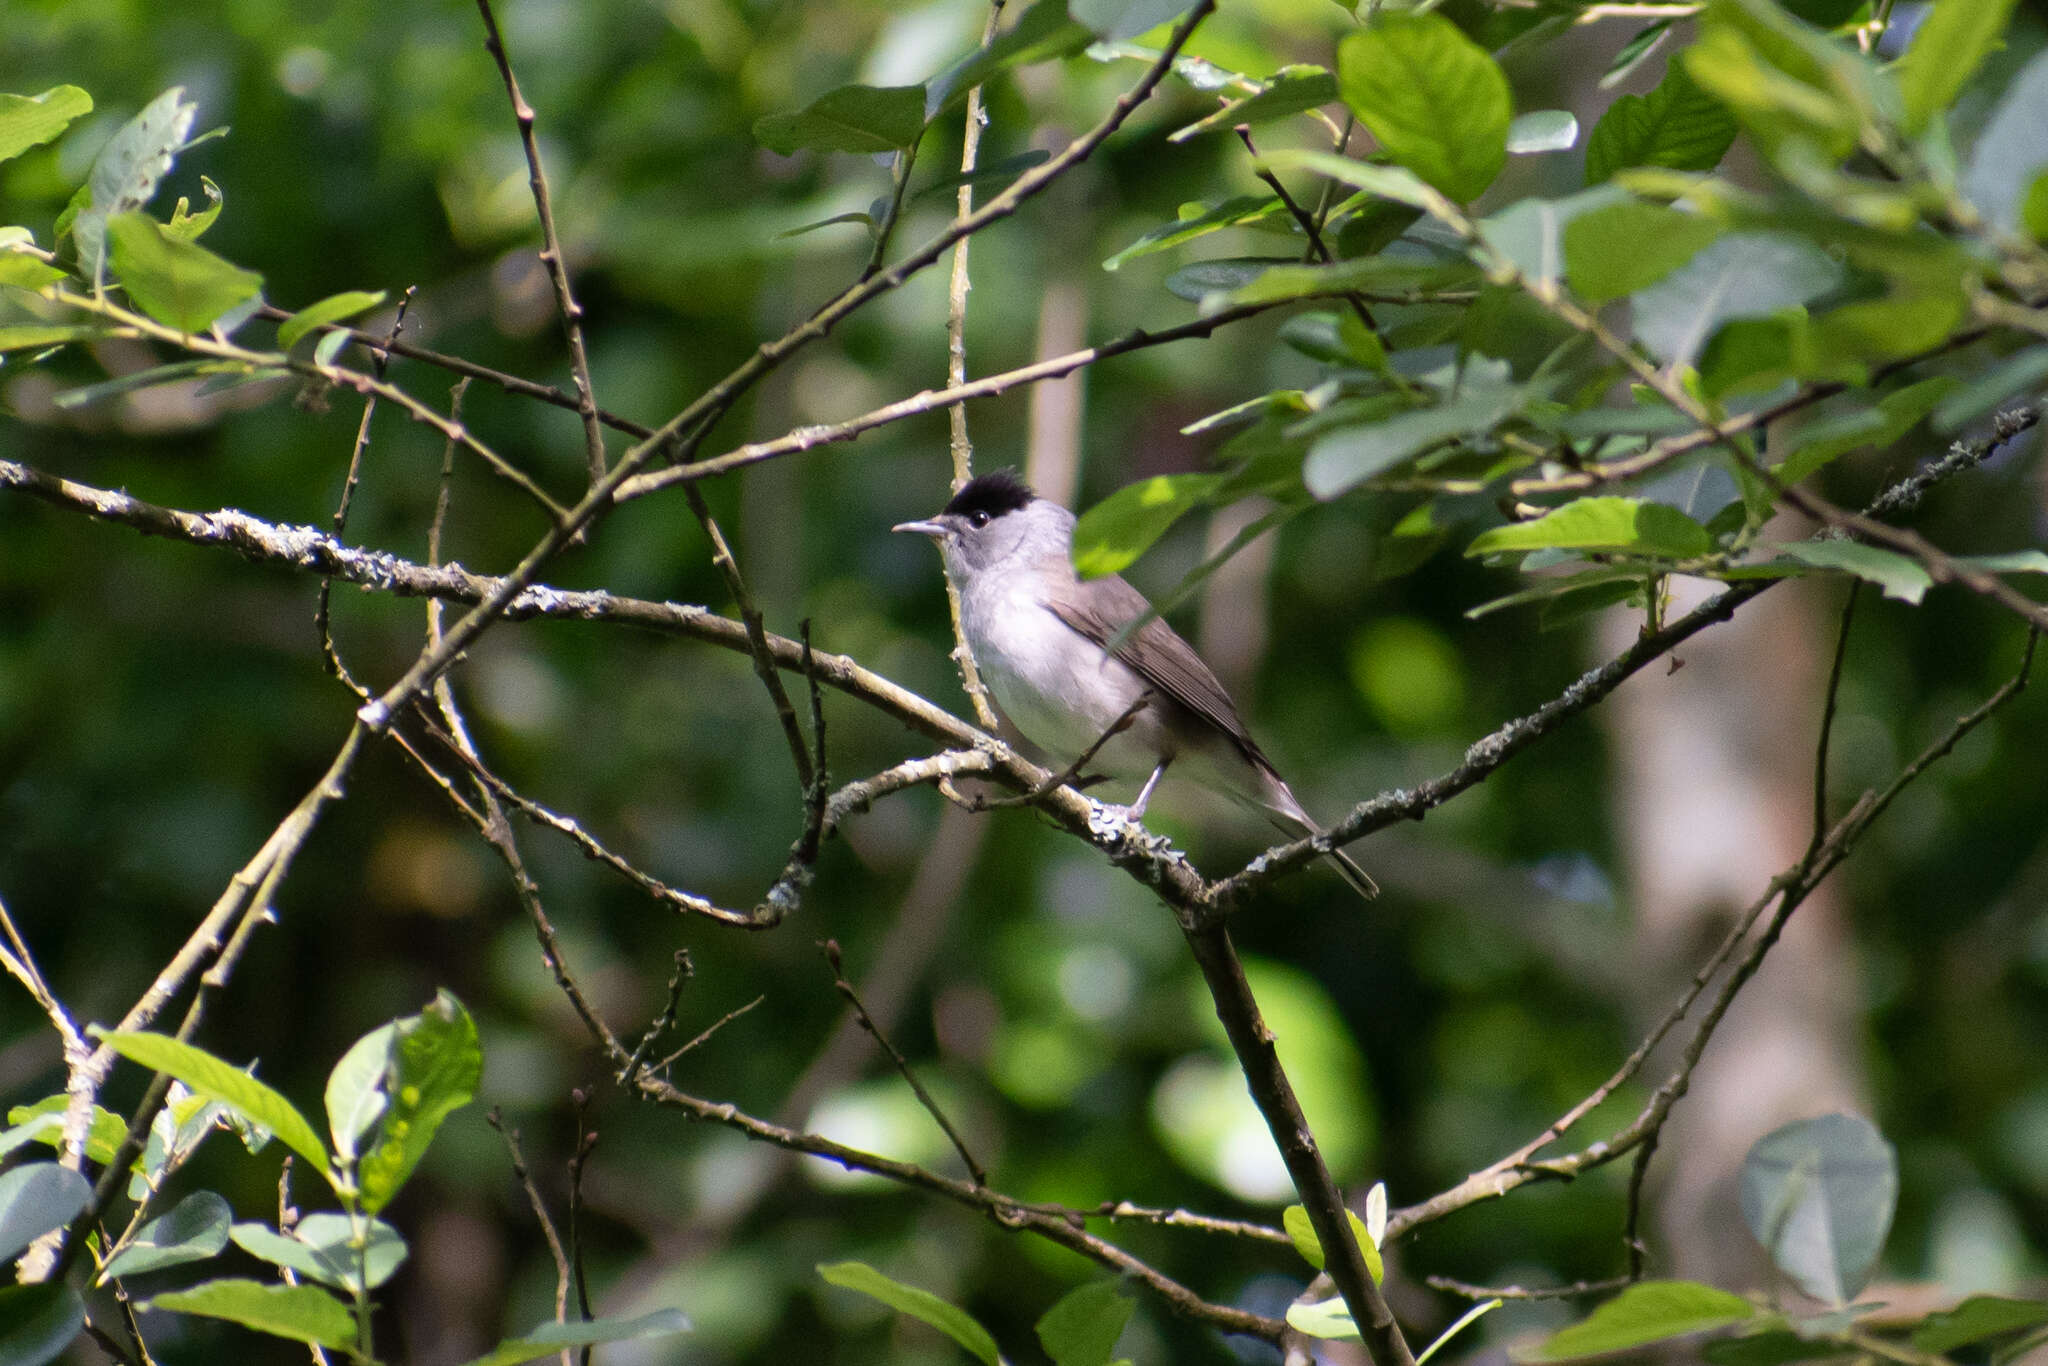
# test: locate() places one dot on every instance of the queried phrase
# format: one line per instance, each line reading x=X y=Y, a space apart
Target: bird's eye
x=977 y=520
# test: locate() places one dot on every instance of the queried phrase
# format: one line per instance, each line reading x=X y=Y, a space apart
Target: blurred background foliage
x=162 y=706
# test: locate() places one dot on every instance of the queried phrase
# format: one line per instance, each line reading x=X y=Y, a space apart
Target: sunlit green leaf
x=35 y=336
x=191 y=1231
x=43 y=1122
x=1327 y=1319
x=1434 y=99
x=318 y=1248
x=1948 y=46
x=331 y=309
x=435 y=1068
x=548 y=1339
x=30 y=120
x=1900 y=578
x=1115 y=20
x=1388 y=182
x=209 y=1076
x=186 y=226
x=1622 y=525
x=180 y=284
x=128 y=169
x=24 y=271
x=303 y=1313
x=1650 y=1311
x=1293 y=90
x=1302 y=1233
x=1120 y=528
x=1542 y=130
x=853 y=118
x=1199 y=220
x=955 y=1322
x=1617 y=249
x=1818 y=1193
x=1975 y=1320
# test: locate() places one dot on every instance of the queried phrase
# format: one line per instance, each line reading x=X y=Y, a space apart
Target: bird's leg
x=1072 y=772
x=1137 y=808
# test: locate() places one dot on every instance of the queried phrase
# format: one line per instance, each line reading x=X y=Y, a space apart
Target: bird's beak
x=932 y=529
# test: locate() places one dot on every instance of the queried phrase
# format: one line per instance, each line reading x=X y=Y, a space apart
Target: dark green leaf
x=435 y=1068
x=1650 y=1311
x=1389 y=272
x=853 y=118
x=1774 y=1348
x=2021 y=372
x=2034 y=209
x=35 y=1199
x=1976 y=1319
x=1819 y=1193
x=1805 y=449
x=1808 y=1244
x=302 y=1313
x=128 y=169
x=955 y=1322
x=1435 y=100
x=1199 y=220
x=1677 y=126
x=548 y=1339
x=1635 y=52
x=1198 y=281
x=1622 y=525
x=1342 y=459
x=1542 y=130
x=37 y=1322
x=180 y=284
x=194 y=1229
x=30 y=120
x=331 y=309
x=1743 y=275
x=1043 y=33
x=1947 y=48
x=1123 y=526
x=1617 y=249
x=1081 y=1329
x=1293 y=90
x=318 y=1249
x=209 y=1076
x=1116 y=20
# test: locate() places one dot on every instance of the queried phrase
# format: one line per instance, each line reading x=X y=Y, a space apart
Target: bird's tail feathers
x=1285 y=812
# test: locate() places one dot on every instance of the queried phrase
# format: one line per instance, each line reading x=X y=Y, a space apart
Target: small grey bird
x=1040 y=634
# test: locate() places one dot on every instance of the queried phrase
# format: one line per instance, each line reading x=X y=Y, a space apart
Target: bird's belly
x=1029 y=662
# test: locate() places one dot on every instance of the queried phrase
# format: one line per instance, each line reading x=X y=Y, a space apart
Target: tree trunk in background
x=1713 y=792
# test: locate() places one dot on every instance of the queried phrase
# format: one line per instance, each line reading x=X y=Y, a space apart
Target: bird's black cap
x=995 y=494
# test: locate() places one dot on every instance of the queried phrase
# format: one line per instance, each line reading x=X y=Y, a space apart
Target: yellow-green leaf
x=331 y=309
x=215 y=1079
x=180 y=284
x=29 y=120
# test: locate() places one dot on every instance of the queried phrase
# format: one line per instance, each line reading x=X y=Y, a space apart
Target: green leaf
x=88 y=394
x=547 y=1339
x=35 y=1199
x=1327 y=1319
x=2011 y=562
x=31 y=336
x=180 y=284
x=30 y=120
x=955 y=1322
x=1120 y=528
x=1819 y=1193
x=435 y=1067
x=865 y=220
x=1635 y=52
x=187 y=226
x=194 y=1229
x=985 y=174
x=1743 y=275
x=1116 y=20
x=1976 y=1319
x=1772 y=1348
x=1898 y=576
x=1388 y=272
x=355 y=1096
x=2023 y=370
x=128 y=169
x=208 y=1076
x=1043 y=33
x=1650 y=1311
x=1435 y=100
x=302 y=1313
x=318 y=1249
x=1807 y=448
x=1615 y=250
x=1293 y=90
x=331 y=309
x=1081 y=1329
x=1464 y=1321
x=1677 y=126
x=37 y=1322
x=1948 y=46
x=43 y=1122
x=1542 y=130
x=1302 y=1234
x=2034 y=209
x=1341 y=460
x=1530 y=232
x=24 y=271
x=1199 y=220
x=853 y=118
x=1388 y=182
x=1624 y=525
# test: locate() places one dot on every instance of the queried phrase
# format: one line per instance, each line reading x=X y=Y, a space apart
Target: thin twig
x=685 y=969
x=1466 y=1290
x=830 y=948
x=1827 y=717
x=705 y=1035
x=566 y=307
x=540 y=1214
x=586 y=1143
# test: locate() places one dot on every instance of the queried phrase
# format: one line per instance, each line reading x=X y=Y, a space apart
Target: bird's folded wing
x=1158 y=655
